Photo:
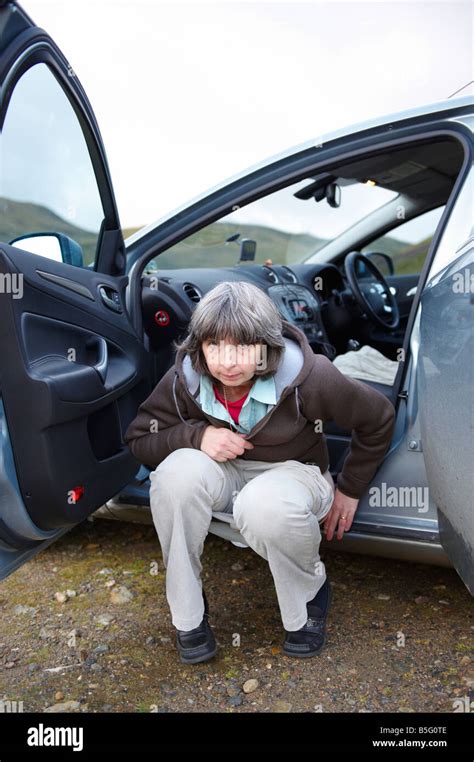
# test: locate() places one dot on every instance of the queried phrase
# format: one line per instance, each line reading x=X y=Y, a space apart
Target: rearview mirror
x=56 y=246
x=333 y=195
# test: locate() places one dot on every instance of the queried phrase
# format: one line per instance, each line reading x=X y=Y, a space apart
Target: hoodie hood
x=295 y=364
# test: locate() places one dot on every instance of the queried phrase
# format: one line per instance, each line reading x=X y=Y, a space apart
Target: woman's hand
x=341 y=514
x=222 y=444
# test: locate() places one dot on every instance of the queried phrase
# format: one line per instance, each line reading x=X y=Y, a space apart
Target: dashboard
x=301 y=294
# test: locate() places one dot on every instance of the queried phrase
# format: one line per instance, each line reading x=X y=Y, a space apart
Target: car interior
x=361 y=296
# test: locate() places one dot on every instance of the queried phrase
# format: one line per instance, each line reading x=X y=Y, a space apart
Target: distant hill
x=390 y=246
x=20 y=217
x=207 y=247
x=411 y=258
x=126 y=232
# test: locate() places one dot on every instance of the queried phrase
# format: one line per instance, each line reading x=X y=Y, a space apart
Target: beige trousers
x=277 y=508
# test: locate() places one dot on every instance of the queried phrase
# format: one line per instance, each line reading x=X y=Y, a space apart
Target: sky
x=188 y=94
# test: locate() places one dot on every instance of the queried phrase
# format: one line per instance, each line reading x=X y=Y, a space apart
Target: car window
x=285 y=228
x=408 y=244
x=48 y=181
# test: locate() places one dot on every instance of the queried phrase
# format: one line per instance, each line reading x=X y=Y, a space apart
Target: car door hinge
x=403 y=394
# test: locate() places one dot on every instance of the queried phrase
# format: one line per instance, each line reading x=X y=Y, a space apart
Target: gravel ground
x=85 y=626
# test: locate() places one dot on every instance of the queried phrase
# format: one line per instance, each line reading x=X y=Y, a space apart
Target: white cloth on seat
x=367 y=364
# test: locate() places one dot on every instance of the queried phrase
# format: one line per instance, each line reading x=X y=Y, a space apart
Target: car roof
x=424 y=110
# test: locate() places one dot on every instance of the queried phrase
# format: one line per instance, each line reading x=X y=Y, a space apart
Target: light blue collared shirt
x=261 y=396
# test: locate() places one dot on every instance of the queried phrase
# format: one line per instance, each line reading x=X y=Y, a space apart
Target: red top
x=234 y=407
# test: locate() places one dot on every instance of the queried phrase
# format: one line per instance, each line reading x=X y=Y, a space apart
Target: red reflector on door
x=76 y=494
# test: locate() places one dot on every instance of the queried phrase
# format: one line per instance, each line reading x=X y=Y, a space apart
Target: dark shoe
x=309 y=640
x=197 y=645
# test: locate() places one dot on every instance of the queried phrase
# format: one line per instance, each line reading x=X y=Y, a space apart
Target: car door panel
x=446 y=382
x=73 y=369
x=100 y=368
x=66 y=419
x=446 y=378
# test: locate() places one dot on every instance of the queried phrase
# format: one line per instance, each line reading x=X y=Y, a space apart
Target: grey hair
x=240 y=312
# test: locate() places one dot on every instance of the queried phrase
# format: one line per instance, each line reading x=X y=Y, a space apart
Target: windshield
x=285 y=228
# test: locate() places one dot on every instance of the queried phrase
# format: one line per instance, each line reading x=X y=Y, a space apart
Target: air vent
x=271 y=274
x=289 y=274
x=192 y=292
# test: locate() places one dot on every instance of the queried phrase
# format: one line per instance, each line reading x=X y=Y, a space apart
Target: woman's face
x=233 y=364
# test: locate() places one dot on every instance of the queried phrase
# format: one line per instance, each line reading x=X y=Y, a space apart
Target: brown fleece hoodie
x=310 y=391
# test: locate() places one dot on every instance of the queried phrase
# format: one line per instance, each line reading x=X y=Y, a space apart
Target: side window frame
x=110 y=252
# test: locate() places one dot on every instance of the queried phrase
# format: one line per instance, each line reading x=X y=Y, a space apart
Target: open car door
x=446 y=384
x=72 y=369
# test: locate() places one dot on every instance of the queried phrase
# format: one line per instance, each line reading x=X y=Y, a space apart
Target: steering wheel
x=373 y=296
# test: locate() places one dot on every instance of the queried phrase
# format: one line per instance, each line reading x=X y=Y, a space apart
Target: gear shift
x=353 y=345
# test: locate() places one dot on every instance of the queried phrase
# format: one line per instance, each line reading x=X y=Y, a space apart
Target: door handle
x=103 y=355
x=103 y=361
x=111 y=298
